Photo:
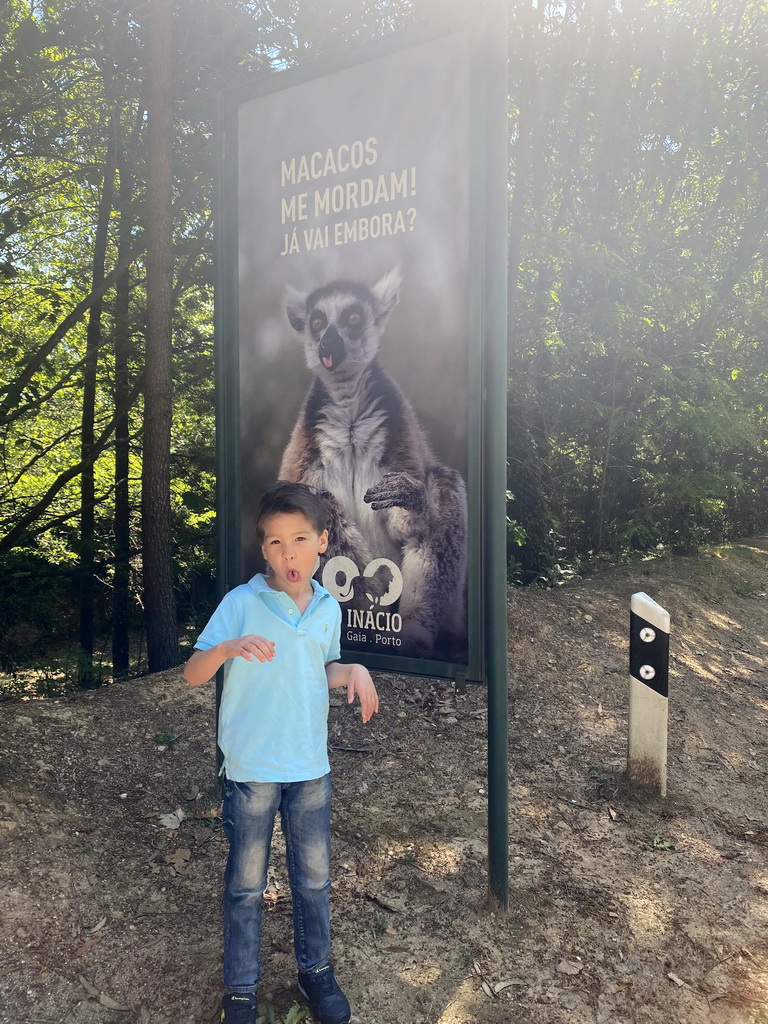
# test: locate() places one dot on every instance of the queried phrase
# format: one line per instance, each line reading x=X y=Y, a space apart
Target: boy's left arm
x=357 y=680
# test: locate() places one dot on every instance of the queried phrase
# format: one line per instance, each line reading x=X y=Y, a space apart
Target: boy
x=278 y=638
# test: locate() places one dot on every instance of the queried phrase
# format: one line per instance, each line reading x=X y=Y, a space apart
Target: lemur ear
x=387 y=293
x=296 y=307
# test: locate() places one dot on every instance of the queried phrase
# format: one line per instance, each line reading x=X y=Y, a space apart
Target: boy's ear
x=323 y=542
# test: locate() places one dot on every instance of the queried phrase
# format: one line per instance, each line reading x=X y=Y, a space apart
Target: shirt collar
x=258 y=583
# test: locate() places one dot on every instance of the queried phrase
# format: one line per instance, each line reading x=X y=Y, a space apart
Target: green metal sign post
x=494 y=453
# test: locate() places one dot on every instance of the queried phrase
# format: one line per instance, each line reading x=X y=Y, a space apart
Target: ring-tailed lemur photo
x=358 y=439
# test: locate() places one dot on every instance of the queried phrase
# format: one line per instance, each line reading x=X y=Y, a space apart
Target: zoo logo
x=381 y=582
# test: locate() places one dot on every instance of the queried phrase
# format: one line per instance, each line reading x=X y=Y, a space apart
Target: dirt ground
x=625 y=907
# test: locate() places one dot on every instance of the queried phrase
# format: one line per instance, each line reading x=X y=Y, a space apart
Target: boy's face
x=291 y=546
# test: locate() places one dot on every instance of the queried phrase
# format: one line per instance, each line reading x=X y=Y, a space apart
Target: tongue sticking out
x=293 y=576
x=332 y=349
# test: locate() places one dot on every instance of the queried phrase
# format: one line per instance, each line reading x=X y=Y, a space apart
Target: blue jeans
x=248 y=818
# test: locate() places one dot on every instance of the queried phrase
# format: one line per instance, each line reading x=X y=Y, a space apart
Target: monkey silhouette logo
x=373 y=588
x=358 y=439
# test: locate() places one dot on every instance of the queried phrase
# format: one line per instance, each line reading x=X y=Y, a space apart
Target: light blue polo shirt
x=273 y=719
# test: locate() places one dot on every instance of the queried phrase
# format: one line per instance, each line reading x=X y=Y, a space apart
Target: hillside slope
x=625 y=907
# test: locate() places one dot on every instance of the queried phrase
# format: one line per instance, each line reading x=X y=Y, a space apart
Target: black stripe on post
x=649 y=658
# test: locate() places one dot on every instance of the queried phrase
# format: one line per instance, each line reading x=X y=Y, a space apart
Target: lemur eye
x=354 y=319
x=317 y=323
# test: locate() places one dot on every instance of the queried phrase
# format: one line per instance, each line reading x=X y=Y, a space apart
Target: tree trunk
x=87 y=436
x=159 y=605
x=121 y=579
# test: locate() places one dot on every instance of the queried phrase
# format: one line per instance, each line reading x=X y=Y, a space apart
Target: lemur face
x=340 y=325
x=342 y=322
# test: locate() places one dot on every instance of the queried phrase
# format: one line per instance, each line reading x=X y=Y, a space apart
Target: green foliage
x=660 y=845
x=638 y=368
x=295 y=1015
x=35 y=609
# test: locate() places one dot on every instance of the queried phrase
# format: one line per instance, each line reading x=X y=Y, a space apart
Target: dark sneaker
x=327 y=1002
x=238 y=1009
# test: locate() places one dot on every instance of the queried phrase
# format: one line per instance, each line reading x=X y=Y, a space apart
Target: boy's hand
x=249 y=647
x=203 y=665
x=359 y=682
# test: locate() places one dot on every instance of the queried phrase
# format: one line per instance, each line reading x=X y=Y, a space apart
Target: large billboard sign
x=351 y=338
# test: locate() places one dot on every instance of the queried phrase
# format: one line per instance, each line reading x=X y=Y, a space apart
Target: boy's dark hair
x=285 y=498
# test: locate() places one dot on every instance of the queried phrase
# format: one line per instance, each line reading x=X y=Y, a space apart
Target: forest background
x=638 y=373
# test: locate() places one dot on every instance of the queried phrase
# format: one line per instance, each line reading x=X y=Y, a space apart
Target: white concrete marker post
x=648 y=692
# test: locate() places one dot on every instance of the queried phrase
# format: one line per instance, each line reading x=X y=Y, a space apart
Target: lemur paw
x=397 y=490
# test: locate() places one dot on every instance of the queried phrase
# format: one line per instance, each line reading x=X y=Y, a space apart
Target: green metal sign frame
x=486 y=376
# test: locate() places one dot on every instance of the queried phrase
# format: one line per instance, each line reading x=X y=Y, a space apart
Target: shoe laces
x=325 y=980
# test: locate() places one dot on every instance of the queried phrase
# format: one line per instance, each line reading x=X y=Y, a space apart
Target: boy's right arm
x=203 y=665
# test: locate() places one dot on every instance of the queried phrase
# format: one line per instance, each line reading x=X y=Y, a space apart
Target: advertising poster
x=353 y=328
